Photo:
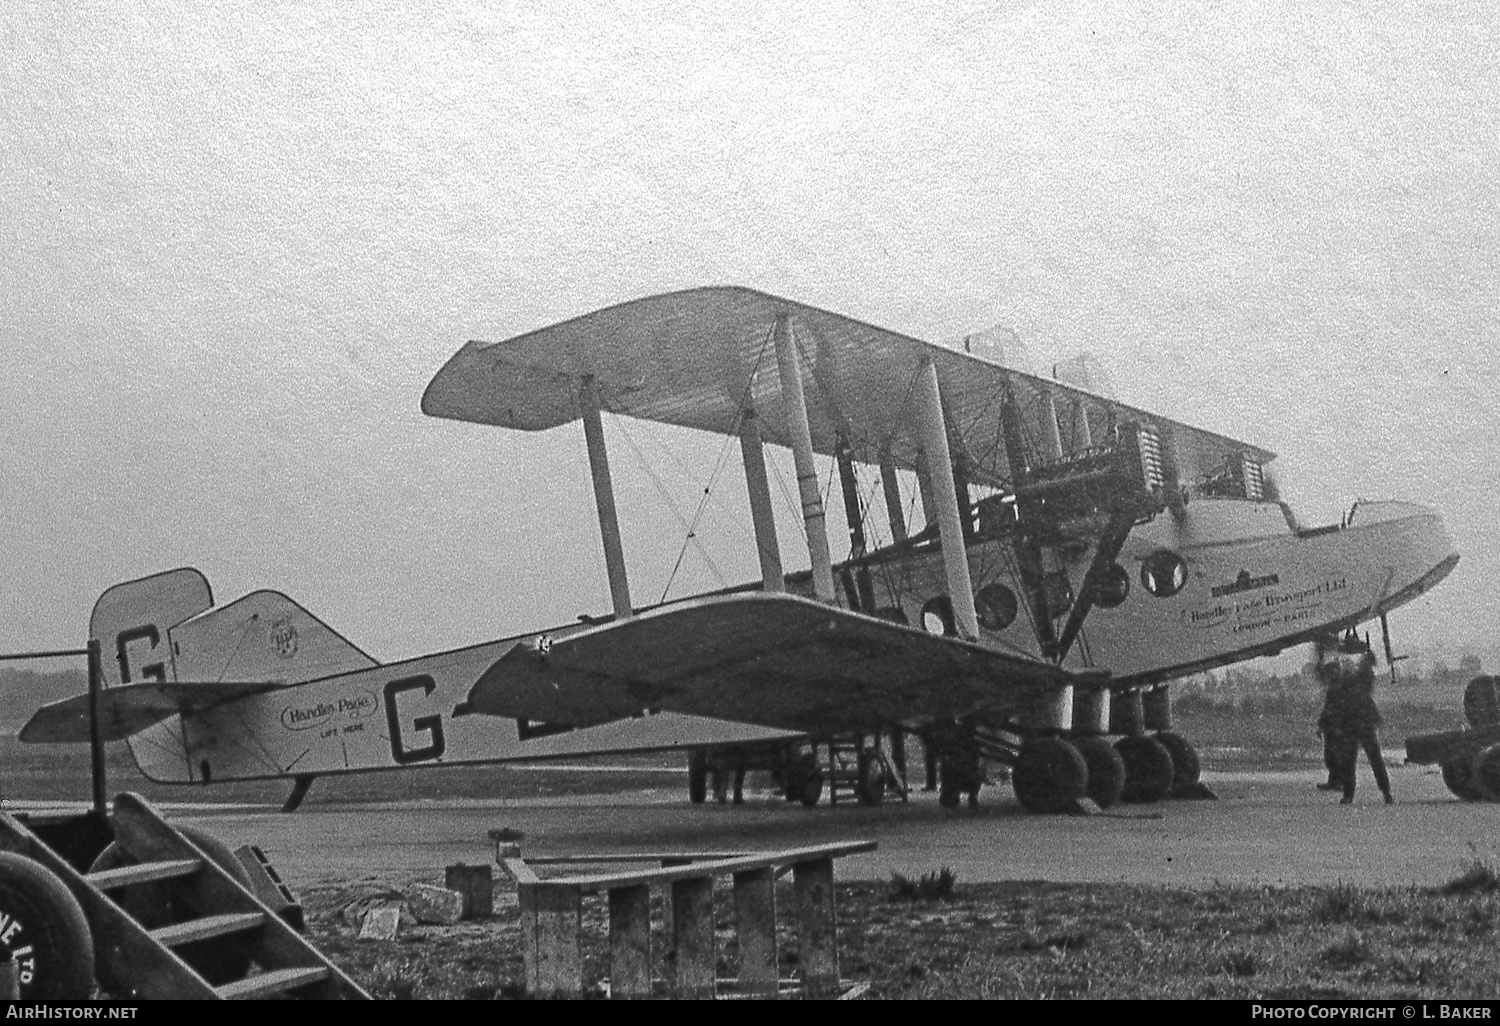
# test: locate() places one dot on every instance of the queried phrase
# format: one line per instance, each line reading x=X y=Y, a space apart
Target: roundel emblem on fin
x=284 y=638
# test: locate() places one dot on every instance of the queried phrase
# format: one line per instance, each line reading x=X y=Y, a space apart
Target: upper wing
x=125 y=709
x=696 y=358
x=775 y=660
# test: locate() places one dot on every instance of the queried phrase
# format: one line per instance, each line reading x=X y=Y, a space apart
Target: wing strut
x=933 y=433
x=604 y=499
x=802 y=456
x=762 y=516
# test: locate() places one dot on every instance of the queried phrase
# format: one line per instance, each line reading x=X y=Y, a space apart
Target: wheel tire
x=1459 y=776
x=871 y=780
x=1106 y=770
x=697 y=776
x=1050 y=775
x=1148 y=769
x=949 y=797
x=1186 y=769
x=1486 y=776
x=804 y=781
x=60 y=965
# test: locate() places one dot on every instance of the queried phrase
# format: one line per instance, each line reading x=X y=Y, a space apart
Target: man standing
x=1326 y=661
x=1356 y=717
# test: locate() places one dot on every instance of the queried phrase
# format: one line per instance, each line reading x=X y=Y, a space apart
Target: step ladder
x=219 y=940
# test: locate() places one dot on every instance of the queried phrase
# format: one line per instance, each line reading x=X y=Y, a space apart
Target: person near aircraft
x=1329 y=726
x=1357 y=717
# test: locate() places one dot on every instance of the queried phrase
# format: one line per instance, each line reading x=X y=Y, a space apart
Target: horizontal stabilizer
x=775 y=660
x=127 y=709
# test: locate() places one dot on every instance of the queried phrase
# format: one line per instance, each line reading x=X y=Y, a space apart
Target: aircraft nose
x=1415 y=540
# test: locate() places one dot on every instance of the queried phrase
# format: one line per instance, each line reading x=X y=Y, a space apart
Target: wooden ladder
x=213 y=919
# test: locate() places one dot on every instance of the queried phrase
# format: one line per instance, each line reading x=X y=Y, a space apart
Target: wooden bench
x=552 y=922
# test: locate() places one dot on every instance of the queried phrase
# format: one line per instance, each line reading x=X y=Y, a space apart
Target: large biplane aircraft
x=1074 y=554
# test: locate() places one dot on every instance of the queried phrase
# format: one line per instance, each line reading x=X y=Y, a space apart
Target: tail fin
x=165 y=628
x=264 y=636
x=132 y=621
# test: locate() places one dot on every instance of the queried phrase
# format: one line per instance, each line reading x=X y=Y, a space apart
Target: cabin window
x=1112 y=587
x=1163 y=573
x=937 y=616
x=996 y=607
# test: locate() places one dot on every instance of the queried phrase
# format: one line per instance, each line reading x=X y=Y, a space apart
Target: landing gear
x=804 y=779
x=870 y=787
x=1148 y=769
x=1106 y=777
x=1050 y=775
x=1186 y=769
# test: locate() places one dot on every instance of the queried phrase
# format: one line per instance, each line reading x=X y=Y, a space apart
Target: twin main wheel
x=46 y=933
x=1052 y=774
x=1475 y=778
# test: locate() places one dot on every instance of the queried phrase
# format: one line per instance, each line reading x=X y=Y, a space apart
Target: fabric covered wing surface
x=695 y=358
x=773 y=660
x=126 y=709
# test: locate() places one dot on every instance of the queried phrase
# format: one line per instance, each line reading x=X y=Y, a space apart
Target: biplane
x=1073 y=555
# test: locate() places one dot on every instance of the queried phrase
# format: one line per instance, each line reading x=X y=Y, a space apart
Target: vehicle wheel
x=46 y=931
x=804 y=780
x=1459 y=776
x=1106 y=770
x=871 y=779
x=697 y=776
x=1186 y=769
x=1148 y=769
x=1050 y=775
x=949 y=797
x=1486 y=776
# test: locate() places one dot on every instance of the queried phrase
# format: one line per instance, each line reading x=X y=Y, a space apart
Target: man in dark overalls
x=1326 y=662
x=1355 y=716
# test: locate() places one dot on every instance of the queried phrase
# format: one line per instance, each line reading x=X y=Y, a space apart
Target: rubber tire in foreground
x=1148 y=769
x=42 y=914
x=1459 y=776
x=804 y=780
x=1106 y=770
x=1186 y=769
x=1050 y=776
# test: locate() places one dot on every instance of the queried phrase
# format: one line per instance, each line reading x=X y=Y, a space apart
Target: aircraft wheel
x=1459 y=776
x=46 y=931
x=697 y=776
x=1106 y=770
x=949 y=797
x=871 y=779
x=804 y=780
x=1486 y=778
x=1148 y=769
x=1186 y=769
x=1050 y=775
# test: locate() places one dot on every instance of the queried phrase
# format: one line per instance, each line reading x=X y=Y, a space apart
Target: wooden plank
x=559 y=952
x=526 y=901
x=144 y=872
x=755 y=913
x=630 y=942
x=206 y=927
x=605 y=881
x=692 y=958
x=276 y=981
x=148 y=837
x=817 y=926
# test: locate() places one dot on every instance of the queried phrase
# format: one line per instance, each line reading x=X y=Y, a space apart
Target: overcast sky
x=237 y=240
